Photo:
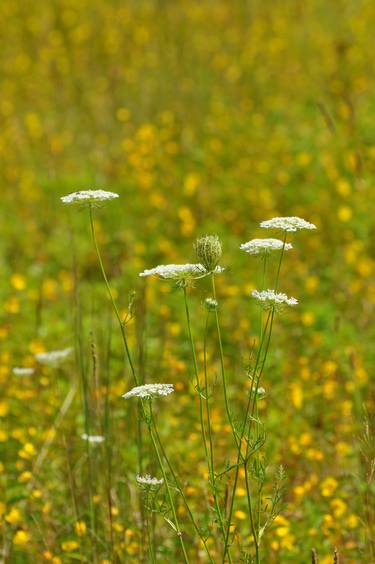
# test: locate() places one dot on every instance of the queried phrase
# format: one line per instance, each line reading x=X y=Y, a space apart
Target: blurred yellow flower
x=21 y=537
x=80 y=528
x=328 y=486
x=69 y=545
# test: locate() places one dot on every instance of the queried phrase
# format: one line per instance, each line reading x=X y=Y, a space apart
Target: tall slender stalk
x=222 y=363
x=251 y=405
x=115 y=308
x=210 y=456
x=208 y=452
x=181 y=492
x=151 y=427
x=84 y=399
x=242 y=433
x=126 y=347
x=196 y=374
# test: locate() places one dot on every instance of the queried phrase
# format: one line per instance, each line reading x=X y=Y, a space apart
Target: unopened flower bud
x=208 y=251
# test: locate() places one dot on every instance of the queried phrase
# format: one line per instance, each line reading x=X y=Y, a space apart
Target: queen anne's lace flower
x=149 y=391
x=261 y=392
x=175 y=271
x=179 y=271
x=52 y=358
x=88 y=197
x=148 y=480
x=264 y=246
x=270 y=299
x=96 y=439
x=20 y=371
x=287 y=224
x=211 y=304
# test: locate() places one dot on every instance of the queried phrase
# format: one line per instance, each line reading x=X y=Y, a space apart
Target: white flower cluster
x=52 y=358
x=271 y=299
x=287 y=224
x=88 y=197
x=179 y=271
x=260 y=392
x=149 y=391
x=175 y=271
x=211 y=304
x=264 y=246
x=96 y=439
x=148 y=480
x=20 y=371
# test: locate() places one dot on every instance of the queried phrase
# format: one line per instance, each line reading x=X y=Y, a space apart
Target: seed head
x=208 y=250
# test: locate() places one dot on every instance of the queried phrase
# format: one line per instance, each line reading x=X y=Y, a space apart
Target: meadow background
x=205 y=117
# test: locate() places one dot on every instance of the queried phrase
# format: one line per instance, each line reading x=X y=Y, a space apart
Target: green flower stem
x=262 y=288
x=195 y=365
x=115 y=308
x=237 y=465
x=181 y=492
x=151 y=427
x=201 y=416
x=210 y=459
x=254 y=408
x=222 y=364
x=126 y=346
x=252 y=525
x=280 y=261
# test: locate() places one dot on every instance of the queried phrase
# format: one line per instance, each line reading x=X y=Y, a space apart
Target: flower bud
x=208 y=251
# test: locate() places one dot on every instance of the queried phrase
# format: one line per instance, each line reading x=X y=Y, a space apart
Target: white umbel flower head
x=264 y=246
x=148 y=480
x=288 y=224
x=23 y=371
x=261 y=392
x=175 y=271
x=149 y=391
x=179 y=272
x=95 y=439
x=269 y=299
x=88 y=197
x=52 y=358
x=211 y=304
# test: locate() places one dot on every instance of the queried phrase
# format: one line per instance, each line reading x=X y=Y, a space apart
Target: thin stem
x=222 y=363
x=254 y=533
x=237 y=465
x=208 y=454
x=115 y=308
x=208 y=414
x=262 y=288
x=210 y=458
x=254 y=408
x=197 y=384
x=181 y=492
x=176 y=523
x=280 y=261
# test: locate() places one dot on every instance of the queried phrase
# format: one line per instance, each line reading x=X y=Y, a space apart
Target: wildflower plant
x=247 y=430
